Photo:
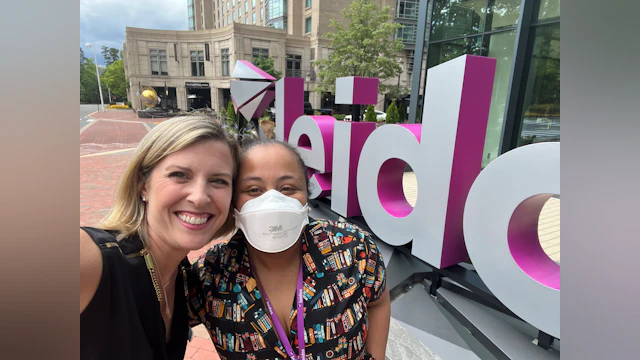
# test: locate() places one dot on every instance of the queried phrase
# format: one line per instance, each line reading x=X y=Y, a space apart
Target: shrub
x=392 y=113
x=339 y=116
x=231 y=116
x=370 y=114
x=118 y=107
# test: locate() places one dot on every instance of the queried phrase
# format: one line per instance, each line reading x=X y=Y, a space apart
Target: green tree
x=110 y=55
x=113 y=79
x=392 y=113
x=362 y=45
x=370 y=114
x=82 y=58
x=266 y=64
x=402 y=113
x=89 y=93
x=232 y=119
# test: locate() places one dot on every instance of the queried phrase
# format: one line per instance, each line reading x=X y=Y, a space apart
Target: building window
x=407 y=9
x=261 y=14
x=246 y=20
x=256 y=52
x=225 y=61
x=228 y=20
x=253 y=18
x=410 y=59
x=294 y=65
x=246 y=7
x=307 y=3
x=234 y=16
x=159 y=64
x=197 y=63
x=452 y=19
x=307 y=25
x=540 y=120
x=408 y=33
x=239 y=11
x=227 y=6
x=206 y=51
x=253 y=3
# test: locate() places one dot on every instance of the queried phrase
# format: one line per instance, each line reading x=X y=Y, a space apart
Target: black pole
x=355 y=112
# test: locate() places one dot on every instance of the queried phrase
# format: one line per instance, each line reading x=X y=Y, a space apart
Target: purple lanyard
x=300 y=317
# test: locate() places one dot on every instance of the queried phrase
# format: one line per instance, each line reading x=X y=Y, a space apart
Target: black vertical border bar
x=520 y=62
x=419 y=49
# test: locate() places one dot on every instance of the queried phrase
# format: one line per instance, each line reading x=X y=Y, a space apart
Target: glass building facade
x=276 y=14
x=524 y=37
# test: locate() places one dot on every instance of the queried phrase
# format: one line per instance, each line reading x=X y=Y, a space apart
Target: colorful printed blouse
x=342 y=271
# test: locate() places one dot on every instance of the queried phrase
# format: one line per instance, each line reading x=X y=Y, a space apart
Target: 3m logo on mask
x=275 y=228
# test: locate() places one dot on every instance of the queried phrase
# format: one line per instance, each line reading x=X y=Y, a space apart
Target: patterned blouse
x=342 y=272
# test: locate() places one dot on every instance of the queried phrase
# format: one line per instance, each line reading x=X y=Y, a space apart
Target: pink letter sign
x=445 y=152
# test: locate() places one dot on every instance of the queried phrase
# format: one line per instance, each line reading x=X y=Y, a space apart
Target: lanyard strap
x=299 y=316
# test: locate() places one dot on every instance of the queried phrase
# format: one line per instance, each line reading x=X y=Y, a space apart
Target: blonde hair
x=128 y=212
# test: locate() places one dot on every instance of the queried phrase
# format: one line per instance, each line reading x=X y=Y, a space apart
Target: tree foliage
x=89 y=93
x=113 y=79
x=370 y=114
x=362 y=45
x=110 y=55
x=266 y=64
x=392 y=113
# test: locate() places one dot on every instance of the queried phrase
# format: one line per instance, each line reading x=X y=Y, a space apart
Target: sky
x=103 y=22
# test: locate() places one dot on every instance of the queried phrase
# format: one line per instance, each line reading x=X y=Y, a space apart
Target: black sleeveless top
x=123 y=320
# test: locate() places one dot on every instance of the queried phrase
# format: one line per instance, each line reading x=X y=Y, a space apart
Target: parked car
x=380 y=116
x=309 y=110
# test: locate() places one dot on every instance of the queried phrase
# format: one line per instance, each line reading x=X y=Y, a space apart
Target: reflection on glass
x=541 y=118
x=449 y=50
x=549 y=9
x=503 y=13
x=501 y=47
x=455 y=18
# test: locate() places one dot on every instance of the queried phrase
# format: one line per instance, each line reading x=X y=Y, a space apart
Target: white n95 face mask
x=272 y=222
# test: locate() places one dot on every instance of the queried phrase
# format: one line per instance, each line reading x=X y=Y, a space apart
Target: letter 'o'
x=501 y=232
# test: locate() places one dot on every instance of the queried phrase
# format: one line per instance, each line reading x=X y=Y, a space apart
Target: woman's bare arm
x=379 y=320
x=90 y=269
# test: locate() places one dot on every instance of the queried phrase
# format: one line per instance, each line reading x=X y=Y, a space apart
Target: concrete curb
x=87 y=126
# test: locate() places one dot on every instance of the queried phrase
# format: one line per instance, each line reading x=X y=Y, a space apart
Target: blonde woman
x=174 y=197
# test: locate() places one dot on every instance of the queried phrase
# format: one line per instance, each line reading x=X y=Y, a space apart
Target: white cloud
x=103 y=22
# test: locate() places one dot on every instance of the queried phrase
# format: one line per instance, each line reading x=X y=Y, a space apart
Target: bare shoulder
x=90 y=269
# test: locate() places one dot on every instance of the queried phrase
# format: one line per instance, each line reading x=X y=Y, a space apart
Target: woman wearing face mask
x=250 y=291
x=174 y=197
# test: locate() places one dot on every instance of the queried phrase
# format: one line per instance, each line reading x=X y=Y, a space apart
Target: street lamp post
x=97 y=73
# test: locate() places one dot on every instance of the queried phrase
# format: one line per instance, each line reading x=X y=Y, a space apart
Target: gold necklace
x=149 y=261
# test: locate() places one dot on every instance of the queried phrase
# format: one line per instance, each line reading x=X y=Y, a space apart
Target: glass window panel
x=190 y=11
x=307 y=3
x=456 y=18
x=246 y=20
x=503 y=13
x=246 y=7
x=253 y=18
x=541 y=117
x=253 y=3
x=549 y=9
x=501 y=47
x=448 y=50
x=307 y=25
x=164 y=68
